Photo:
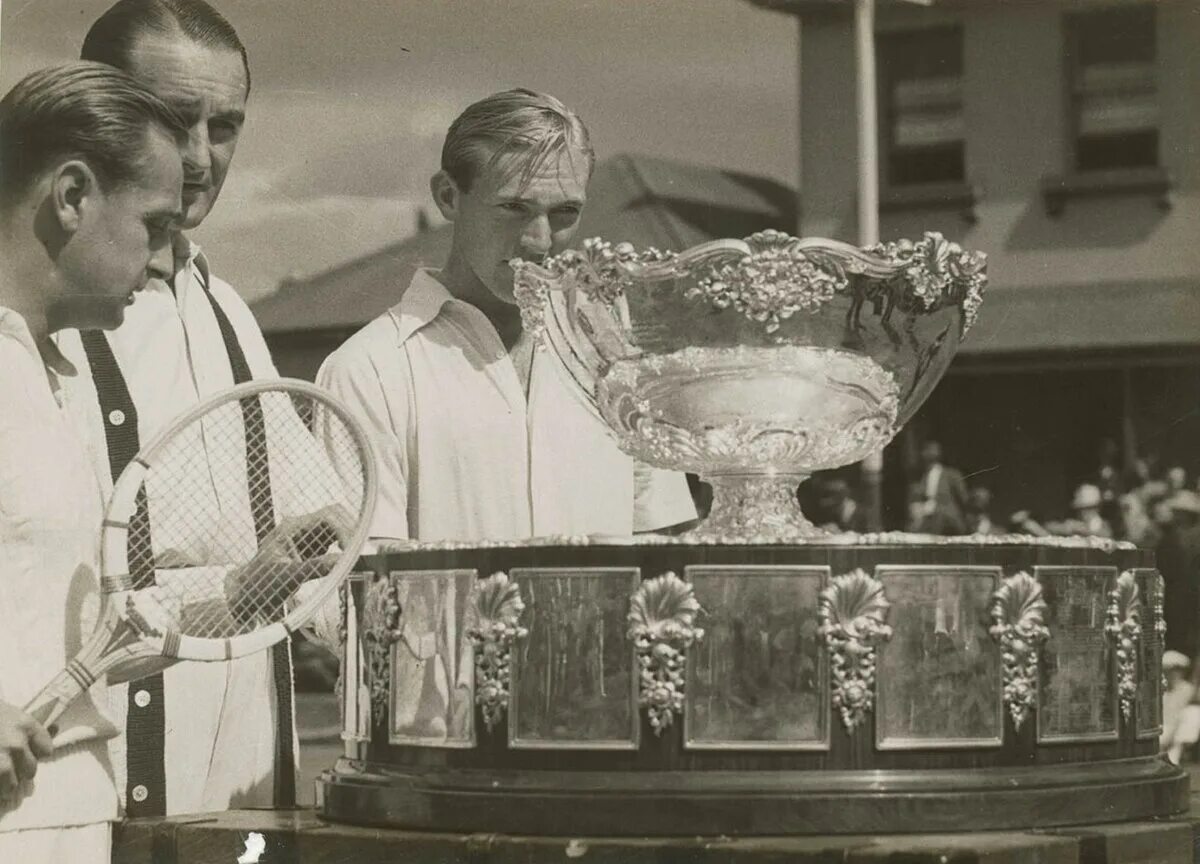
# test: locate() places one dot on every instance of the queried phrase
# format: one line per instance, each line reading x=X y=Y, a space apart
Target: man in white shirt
x=479 y=435
x=88 y=196
x=200 y=737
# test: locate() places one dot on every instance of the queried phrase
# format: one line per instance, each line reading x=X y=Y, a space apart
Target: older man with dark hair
x=90 y=178
x=199 y=737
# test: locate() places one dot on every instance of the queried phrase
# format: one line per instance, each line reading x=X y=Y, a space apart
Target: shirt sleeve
x=15 y=563
x=661 y=498
x=353 y=378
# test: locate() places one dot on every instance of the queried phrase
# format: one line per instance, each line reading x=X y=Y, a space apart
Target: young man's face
x=123 y=239
x=207 y=86
x=506 y=216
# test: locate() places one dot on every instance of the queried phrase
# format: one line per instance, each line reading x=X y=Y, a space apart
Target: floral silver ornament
x=381 y=630
x=1018 y=626
x=939 y=272
x=1160 y=621
x=600 y=270
x=1123 y=624
x=662 y=619
x=496 y=609
x=773 y=282
x=852 y=615
x=343 y=606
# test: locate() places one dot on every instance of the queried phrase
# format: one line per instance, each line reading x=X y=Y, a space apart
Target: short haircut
x=114 y=34
x=86 y=111
x=514 y=121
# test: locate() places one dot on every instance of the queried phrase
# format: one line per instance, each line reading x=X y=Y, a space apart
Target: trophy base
x=847 y=686
x=732 y=803
x=759 y=507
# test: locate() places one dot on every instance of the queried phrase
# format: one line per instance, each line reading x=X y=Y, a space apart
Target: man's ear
x=73 y=185
x=446 y=194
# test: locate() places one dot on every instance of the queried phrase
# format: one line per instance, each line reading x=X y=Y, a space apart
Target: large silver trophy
x=754 y=362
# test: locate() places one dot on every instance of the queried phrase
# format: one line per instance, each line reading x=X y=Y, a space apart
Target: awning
x=1108 y=316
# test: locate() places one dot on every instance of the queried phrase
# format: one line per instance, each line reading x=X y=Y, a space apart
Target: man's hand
x=23 y=741
x=294 y=553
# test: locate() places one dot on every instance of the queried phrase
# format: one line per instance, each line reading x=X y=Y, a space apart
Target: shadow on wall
x=1098 y=223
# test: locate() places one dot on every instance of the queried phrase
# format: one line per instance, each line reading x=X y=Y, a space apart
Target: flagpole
x=868 y=122
x=868 y=205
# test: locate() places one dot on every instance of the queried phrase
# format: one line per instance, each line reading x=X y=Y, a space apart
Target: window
x=920 y=77
x=1114 y=105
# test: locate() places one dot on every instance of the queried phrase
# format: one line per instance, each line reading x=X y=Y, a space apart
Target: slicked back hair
x=518 y=122
x=86 y=111
x=114 y=34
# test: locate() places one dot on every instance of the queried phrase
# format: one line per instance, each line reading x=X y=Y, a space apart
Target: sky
x=351 y=100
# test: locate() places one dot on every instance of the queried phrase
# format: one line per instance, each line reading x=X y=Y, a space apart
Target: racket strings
x=245 y=505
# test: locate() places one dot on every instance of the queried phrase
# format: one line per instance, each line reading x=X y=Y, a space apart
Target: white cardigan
x=50 y=511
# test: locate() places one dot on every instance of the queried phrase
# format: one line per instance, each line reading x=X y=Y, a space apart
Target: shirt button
x=116 y=417
x=140 y=793
x=141 y=698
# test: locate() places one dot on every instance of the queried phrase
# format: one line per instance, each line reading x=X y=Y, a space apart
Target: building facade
x=1061 y=137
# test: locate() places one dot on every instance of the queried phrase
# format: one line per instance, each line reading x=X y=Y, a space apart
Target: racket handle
x=56 y=697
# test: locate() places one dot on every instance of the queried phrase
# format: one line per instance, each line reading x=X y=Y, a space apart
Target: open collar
x=421 y=304
x=13 y=325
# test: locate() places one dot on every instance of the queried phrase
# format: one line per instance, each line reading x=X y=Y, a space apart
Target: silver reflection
x=939 y=675
x=573 y=682
x=759 y=678
x=432 y=661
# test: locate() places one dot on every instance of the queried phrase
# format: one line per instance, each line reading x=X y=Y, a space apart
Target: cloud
x=351 y=101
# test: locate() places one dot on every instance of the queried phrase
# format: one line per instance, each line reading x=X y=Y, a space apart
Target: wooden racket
x=225 y=534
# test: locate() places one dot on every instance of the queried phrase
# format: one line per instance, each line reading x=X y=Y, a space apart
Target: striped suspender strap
x=145 y=725
x=258 y=472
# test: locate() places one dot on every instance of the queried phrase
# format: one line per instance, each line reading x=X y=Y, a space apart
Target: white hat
x=1086 y=496
x=1175 y=660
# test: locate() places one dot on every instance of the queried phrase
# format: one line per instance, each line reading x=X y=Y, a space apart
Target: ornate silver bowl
x=754 y=362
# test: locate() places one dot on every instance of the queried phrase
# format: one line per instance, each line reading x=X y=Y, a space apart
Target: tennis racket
x=225 y=534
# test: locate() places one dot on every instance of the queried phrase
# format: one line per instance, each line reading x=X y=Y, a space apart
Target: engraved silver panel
x=432 y=702
x=573 y=680
x=1150 y=651
x=939 y=683
x=1077 y=693
x=354 y=692
x=759 y=678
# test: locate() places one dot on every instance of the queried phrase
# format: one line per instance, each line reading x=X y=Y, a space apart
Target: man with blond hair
x=90 y=177
x=478 y=435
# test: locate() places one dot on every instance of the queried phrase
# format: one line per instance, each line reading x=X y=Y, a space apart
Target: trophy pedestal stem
x=761 y=506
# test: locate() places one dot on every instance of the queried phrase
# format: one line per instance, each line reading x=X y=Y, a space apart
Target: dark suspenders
x=145 y=727
x=146 y=782
x=258 y=469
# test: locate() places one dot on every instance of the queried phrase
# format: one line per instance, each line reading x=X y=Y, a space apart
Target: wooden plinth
x=300 y=836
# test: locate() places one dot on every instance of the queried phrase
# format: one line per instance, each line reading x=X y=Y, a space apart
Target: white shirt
x=220 y=717
x=50 y=512
x=465 y=454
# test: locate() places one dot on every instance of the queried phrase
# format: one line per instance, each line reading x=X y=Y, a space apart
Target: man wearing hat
x=1087 y=520
x=1086 y=503
x=1181 y=719
x=1178 y=558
